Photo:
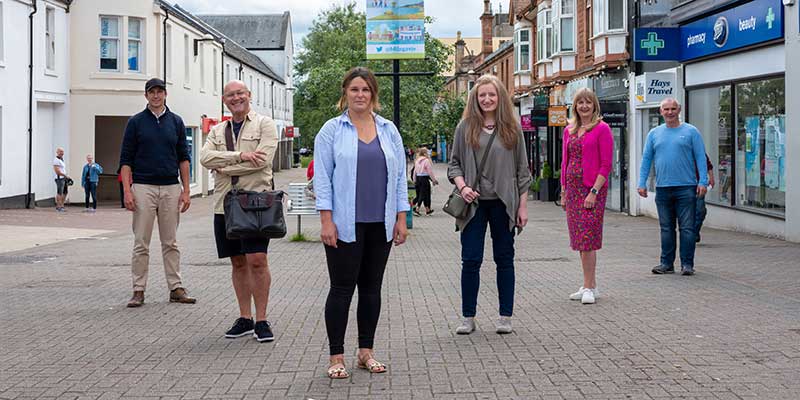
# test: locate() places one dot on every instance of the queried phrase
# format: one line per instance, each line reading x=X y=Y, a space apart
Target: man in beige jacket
x=255 y=140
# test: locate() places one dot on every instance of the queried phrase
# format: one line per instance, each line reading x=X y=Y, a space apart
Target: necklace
x=489 y=126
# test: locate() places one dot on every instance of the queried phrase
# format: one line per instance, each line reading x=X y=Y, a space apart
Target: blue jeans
x=699 y=214
x=677 y=203
x=90 y=188
x=492 y=212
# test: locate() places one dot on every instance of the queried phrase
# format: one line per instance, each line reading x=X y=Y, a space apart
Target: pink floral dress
x=585 y=224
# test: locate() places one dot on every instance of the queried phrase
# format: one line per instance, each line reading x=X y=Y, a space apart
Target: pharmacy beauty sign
x=395 y=29
x=751 y=23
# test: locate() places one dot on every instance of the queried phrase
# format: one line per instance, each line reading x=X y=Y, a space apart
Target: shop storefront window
x=749 y=165
x=710 y=111
x=653 y=119
x=760 y=144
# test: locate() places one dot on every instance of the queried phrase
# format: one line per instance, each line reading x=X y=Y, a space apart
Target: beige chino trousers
x=154 y=201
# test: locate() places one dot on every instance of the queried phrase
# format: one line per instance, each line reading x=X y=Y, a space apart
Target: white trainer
x=588 y=296
x=467 y=326
x=504 y=325
x=579 y=294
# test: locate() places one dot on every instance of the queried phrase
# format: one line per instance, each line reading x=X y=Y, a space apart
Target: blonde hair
x=506 y=124
x=575 y=120
x=365 y=74
x=422 y=152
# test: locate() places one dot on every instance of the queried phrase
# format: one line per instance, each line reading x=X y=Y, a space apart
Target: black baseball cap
x=154 y=83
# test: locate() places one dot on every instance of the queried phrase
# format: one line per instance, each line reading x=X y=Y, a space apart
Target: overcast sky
x=450 y=15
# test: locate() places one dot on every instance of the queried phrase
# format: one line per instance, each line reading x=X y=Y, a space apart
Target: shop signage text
x=750 y=23
x=652 y=87
x=557 y=116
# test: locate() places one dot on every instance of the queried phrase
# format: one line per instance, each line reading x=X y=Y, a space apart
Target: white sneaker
x=504 y=325
x=588 y=296
x=579 y=294
x=467 y=326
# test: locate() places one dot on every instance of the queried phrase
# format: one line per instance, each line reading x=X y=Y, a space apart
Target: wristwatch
x=593 y=191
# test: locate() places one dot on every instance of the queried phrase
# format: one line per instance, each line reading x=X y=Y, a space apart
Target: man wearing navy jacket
x=154 y=149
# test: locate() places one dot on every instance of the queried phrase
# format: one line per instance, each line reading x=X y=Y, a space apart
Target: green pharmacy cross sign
x=652 y=44
x=656 y=44
x=770 y=18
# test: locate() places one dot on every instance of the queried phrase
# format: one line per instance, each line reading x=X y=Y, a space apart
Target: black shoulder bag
x=456 y=206
x=252 y=215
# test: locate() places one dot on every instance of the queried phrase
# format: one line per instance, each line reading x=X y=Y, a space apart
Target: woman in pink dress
x=585 y=164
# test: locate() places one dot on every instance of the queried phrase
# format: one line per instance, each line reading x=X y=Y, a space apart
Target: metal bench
x=300 y=203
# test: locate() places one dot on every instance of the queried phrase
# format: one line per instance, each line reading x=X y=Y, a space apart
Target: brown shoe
x=137 y=300
x=179 y=296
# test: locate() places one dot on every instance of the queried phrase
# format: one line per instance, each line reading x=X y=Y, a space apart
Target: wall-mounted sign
x=395 y=29
x=539 y=117
x=750 y=23
x=557 y=116
x=289 y=132
x=615 y=114
x=526 y=122
x=613 y=85
x=656 y=44
x=652 y=87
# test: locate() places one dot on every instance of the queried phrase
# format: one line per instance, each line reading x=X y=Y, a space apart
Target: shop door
x=615 y=115
x=616 y=179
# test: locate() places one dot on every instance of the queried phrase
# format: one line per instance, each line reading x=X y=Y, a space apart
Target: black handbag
x=455 y=205
x=249 y=214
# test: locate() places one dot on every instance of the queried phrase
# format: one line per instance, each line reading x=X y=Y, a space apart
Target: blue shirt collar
x=380 y=121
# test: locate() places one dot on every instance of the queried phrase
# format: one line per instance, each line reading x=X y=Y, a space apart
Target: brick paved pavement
x=731 y=331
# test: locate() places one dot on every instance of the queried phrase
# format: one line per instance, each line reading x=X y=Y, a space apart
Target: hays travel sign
x=748 y=24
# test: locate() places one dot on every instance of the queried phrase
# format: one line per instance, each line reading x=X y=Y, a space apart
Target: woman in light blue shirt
x=362 y=197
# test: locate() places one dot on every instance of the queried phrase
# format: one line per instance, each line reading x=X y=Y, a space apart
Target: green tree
x=446 y=115
x=335 y=43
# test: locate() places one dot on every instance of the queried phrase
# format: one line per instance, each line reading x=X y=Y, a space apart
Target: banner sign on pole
x=395 y=29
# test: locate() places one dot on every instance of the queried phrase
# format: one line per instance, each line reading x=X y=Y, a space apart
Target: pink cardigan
x=598 y=152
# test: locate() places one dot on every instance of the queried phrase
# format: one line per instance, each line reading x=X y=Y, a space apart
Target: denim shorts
x=61 y=186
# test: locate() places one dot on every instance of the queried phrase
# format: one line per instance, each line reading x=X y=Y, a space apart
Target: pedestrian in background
x=247 y=167
x=154 y=152
x=60 y=169
x=423 y=179
x=678 y=153
x=587 y=152
x=502 y=193
x=362 y=197
x=90 y=176
x=700 y=210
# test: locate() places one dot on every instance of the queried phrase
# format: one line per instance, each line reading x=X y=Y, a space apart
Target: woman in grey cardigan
x=501 y=193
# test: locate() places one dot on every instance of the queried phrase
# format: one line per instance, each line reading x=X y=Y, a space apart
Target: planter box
x=547 y=189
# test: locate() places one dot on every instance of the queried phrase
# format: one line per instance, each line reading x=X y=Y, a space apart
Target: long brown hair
x=367 y=75
x=575 y=122
x=506 y=124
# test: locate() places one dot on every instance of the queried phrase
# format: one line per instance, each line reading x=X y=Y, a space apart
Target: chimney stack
x=487 y=20
x=459 y=58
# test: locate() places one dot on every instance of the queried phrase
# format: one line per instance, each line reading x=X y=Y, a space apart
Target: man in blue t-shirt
x=677 y=151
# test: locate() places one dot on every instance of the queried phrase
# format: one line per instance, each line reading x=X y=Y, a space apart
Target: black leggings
x=361 y=264
x=423 y=188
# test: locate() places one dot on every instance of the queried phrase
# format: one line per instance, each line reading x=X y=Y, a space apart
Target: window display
x=749 y=166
